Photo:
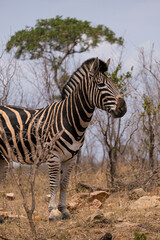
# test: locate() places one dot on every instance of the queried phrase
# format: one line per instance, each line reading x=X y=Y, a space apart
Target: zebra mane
x=68 y=87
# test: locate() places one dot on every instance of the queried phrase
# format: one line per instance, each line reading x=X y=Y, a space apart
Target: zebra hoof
x=54 y=215
x=65 y=216
x=53 y=219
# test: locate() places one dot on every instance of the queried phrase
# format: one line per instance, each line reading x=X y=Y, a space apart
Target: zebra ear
x=108 y=62
x=95 y=66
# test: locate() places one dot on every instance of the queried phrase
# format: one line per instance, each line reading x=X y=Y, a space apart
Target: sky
x=137 y=21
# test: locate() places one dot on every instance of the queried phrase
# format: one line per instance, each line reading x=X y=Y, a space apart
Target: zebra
x=88 y=88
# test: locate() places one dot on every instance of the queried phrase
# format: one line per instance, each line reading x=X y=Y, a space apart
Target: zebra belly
x=25 y=152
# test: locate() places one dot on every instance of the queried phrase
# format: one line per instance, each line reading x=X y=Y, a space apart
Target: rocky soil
x=94 y=213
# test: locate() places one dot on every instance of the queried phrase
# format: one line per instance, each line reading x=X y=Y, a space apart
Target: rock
x=77 y=200
x=5 y=215
x=81 y=196
x=97 y=217
x=146 y=202
x=136 y=194
x=119 y=219
x=99 y=195
x=95 y=199
x=10 y=196
x=48 y=197
x=107 y=236
x=109 y=214
x=96 y=204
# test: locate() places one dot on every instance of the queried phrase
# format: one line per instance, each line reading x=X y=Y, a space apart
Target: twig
x=29 y=212
x=40 y=151
x=4 y=238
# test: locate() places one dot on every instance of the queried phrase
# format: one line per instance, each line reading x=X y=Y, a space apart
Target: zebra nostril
x=120 y=102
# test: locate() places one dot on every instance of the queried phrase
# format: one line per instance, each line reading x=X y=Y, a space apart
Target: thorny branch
x=41 y=151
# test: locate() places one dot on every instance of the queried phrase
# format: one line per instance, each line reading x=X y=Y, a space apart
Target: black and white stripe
x=87 y=88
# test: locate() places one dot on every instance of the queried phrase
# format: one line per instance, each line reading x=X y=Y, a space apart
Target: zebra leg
x=54 y=173
x=66 y=168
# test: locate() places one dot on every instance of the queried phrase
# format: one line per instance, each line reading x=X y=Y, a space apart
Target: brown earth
x=118 y=215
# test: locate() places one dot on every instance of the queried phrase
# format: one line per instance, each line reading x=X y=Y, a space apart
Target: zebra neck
x=77 y=79
x=78 y=112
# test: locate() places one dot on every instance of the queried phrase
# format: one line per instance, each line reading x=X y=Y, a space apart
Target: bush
x=140 y=236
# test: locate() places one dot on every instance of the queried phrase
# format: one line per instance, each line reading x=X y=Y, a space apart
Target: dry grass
x=121 y=221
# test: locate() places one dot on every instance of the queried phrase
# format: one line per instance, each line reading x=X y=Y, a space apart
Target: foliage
x=55 y=40
x=121 y=80
x=149 y=120
x=67 y=36
x=140 y=236
x=149 y=107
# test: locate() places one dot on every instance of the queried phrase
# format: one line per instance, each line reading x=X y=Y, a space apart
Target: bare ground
x=120 y=220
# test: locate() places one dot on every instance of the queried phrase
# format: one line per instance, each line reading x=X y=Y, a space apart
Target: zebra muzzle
x=121 y=108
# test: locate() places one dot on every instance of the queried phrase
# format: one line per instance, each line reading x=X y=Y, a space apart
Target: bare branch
x=42 y=151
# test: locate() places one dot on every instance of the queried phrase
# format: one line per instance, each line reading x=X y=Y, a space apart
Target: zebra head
x=104 y=94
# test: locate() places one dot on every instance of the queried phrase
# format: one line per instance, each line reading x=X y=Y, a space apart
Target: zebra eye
x=99 y=80
x=100 y=85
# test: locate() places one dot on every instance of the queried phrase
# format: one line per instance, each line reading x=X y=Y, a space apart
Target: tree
x=55 y=40
x=112 y=130
x=149 y=140
x=149 y=117
x=9 y=79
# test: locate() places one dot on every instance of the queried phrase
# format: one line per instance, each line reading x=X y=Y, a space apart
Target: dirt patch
x=116 y=217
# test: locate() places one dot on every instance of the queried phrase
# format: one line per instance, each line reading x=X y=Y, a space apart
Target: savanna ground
x=122 y=222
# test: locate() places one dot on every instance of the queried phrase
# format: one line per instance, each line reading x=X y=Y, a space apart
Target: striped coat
x=87 y=88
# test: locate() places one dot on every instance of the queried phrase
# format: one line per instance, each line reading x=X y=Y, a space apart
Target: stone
x=109 y=214
x=99 y=195
x=96 y=204
x=107 y=236
x=146 y=202
x=77 y=200
x=81 y=196
x=10 y=196
x=48 y=197
x=95 y=199
x=136 y=194
x=5 y=215
x=97 y=217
